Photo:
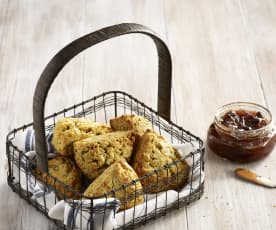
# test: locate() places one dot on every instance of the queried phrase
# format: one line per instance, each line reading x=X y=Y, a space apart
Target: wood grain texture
x=260 y=22
x=215 y=64
x=129 y=68
x=29 y=41
x=223 y=51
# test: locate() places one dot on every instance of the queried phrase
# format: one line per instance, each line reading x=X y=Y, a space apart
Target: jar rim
x=246 y=106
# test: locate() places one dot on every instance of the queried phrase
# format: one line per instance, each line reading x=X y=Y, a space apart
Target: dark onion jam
x=244 y=120
x=241 y=136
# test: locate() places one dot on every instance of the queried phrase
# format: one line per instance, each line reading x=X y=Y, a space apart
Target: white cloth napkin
x=73 y=216
x=26 y=140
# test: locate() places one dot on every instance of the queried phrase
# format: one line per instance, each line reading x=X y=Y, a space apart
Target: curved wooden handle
x=67 y=53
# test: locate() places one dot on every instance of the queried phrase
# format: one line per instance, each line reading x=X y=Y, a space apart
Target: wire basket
x=102 y=212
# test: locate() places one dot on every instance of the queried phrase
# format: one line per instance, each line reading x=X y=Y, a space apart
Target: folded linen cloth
x=73 y=213
x=26 y=140
x=106 y=216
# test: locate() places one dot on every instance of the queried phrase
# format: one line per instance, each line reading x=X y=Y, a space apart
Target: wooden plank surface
x=129 y=68
x=214 y=65
x=222 y=51
x=260 y=22
x=29 y=33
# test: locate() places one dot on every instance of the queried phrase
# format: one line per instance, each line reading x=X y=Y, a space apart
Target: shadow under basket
x=106 y=212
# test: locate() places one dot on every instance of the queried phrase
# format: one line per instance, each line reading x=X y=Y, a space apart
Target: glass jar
x=242 y=132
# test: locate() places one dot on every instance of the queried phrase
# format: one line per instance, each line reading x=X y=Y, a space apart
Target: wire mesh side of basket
x=102 y=108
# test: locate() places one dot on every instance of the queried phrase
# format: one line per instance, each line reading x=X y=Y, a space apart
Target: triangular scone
x=154 y=152
x=65 y=170
x=94 y=154
x=131 y=122
x=69 y=130
x=118 y=174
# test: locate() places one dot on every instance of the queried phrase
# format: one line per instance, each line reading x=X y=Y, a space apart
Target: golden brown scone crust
x=69 y=130
x=131 y=122
x=153 y=152
x=94 y=154
x=114 y=176
x=65 y=170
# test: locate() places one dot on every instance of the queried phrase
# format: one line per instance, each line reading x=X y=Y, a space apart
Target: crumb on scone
x=64 y=170
x=94 y=154
x=69 y=130
x=116 y=175
x=131 y=122
x=154 y=152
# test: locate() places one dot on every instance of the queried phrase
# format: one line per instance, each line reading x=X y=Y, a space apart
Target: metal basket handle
x=67 y=53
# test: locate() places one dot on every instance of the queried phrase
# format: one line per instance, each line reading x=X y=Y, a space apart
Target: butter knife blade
x=254 y=178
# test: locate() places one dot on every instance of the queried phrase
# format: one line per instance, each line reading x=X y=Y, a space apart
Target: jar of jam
x=242 y=132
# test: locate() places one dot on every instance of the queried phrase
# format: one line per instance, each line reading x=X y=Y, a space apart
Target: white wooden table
x=223 y=51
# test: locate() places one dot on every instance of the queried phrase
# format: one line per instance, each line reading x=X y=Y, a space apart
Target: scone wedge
x=69 y=130
x=94 y=154
x=136 y=123
x=153 y=153
x=65 y=171
x=118 y=174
